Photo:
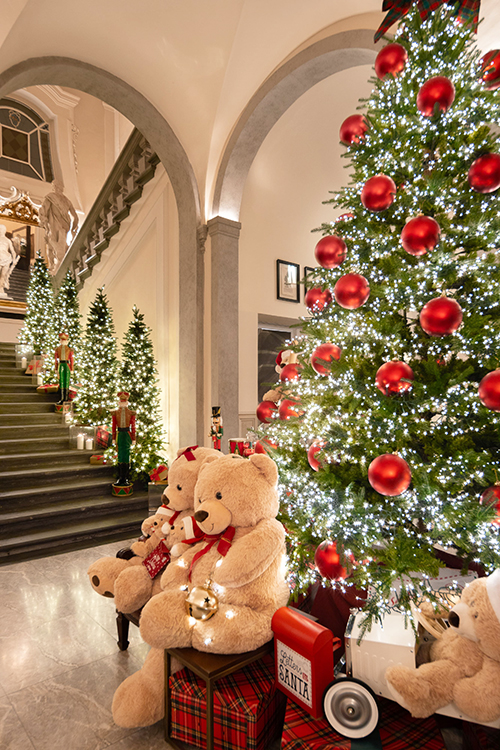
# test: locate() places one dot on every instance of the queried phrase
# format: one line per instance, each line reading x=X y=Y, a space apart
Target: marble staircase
x=51 y=498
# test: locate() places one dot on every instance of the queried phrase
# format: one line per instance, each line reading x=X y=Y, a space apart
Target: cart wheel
x=350 y=708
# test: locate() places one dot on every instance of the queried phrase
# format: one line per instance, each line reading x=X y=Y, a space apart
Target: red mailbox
x=303 y=652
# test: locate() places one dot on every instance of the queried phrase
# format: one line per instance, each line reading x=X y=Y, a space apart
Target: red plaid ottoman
x=248 y=710
x=398 y=731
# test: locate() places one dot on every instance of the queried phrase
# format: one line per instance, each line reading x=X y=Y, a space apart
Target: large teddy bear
x=243 y=554
x=126 y=578
x=465 y=661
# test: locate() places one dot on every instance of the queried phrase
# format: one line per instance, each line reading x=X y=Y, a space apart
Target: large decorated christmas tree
x=39 y=330
x=387 y=434
x=99 y=366
x=139 y=377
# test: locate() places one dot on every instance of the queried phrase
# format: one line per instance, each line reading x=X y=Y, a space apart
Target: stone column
x=224 y=235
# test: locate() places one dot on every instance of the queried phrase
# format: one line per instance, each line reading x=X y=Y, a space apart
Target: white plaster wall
x=296 y=167
x=141 y=267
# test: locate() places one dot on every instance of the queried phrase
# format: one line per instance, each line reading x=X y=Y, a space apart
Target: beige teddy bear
x=465 y=661
x=243 y=556
x=126 y=578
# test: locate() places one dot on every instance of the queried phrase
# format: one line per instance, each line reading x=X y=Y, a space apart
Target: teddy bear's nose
x=454 y=619
x=200 y=515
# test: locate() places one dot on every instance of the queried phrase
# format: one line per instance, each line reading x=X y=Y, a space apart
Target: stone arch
x=148 y=120
x=285 y=85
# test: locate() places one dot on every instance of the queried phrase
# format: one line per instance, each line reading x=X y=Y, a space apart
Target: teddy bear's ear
x=207 y=460
x=493 y=589
x=266 y=466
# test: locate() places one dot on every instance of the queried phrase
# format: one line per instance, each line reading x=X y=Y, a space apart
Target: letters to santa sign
x=303 y=652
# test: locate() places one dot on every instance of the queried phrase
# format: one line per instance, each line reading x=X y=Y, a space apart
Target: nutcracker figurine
x=216 y=431
x=124 y=435
x=64 y=367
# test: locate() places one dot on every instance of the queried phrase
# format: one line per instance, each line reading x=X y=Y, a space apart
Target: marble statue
x=57 y=216
x=8 y=261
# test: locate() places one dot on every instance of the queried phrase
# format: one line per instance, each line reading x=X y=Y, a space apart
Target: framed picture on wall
x=307 y=285
x=287 y=277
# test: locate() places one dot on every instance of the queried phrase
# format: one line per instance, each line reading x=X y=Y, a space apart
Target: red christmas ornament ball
x=489 y=390
x=391 y=377
x=441 y=316
x=351 y=291
x=391 y=59
x=378 y=193
x=344 y=217
x=492 y=496
x=490 y=67
x=420 y=235
x=290 y=373
x=353 y=129
x=289 y=408
x=317 y=299
x=267 y=411
x=330 y=251
x=261 y=446
x=315 y=448
x=484 y=173
x=436 y=91
x=324 y=353
x=329 y=562
x=389 y=474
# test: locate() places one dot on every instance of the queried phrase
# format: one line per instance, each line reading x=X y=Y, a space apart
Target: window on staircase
x=24 y=142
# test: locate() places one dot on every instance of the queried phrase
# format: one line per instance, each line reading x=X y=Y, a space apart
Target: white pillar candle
x=39 y=379
x=89 y=444
x=24 y=363
x=79 y=442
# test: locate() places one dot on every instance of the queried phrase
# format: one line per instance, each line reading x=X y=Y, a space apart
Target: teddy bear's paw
x=478 y=703
x=138 y=701
x=133 y=588
x=103 y=574
x=410 y=691
x=164 y=621
x=233 y=630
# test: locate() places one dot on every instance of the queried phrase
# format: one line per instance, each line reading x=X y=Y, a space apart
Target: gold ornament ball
x=202 y=603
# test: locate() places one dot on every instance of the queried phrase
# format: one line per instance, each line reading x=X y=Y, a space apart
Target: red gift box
x=103 y=437
x=248 y=710
x=397 y=728
x=160 y=474
x=241 y=447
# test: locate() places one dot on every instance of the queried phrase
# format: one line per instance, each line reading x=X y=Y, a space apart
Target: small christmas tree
x=67 y=314
x=98 y=366
x=388 y=434
x=39 y=330
x=139 y=377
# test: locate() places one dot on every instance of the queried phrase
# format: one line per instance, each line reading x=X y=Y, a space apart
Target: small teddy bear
x=242 y=556
x=285 y=357
x=465 y=660
x=129 y=578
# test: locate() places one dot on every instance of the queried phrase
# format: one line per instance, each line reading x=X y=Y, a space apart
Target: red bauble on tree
x=489 y=390
x=389 y=474
x=344 y=217
x=353 y=129
x=420 y=235
x=484 y=173
x=491 y=496
x=378 y=193
x=330 y=251
x=351 y=291
x=392 y=377
x=315 y=448
x=324 y=353
x=267 y=411
x=289 y=408
x=317 y=299
x=290 y=373
x=391 y=59
x=328 y=561
x=262 y=446
x=490 y=69
x=437 y=92
x=441 y=316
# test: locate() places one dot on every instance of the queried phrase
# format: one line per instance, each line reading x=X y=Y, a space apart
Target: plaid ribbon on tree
x=466 y=10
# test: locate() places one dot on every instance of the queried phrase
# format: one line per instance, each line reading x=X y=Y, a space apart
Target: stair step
x=38 y=418
x=15 y=378
x=56 y=493
x=26 y=407
x=37 y=478
x=28 y=445
x=87 y=533
x=30 y=396
x=69 y=511
x=12 y=431
x=13 y=461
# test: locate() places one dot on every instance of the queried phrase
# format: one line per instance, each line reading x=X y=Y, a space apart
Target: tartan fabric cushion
x=398 y=731
x=248 y=710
